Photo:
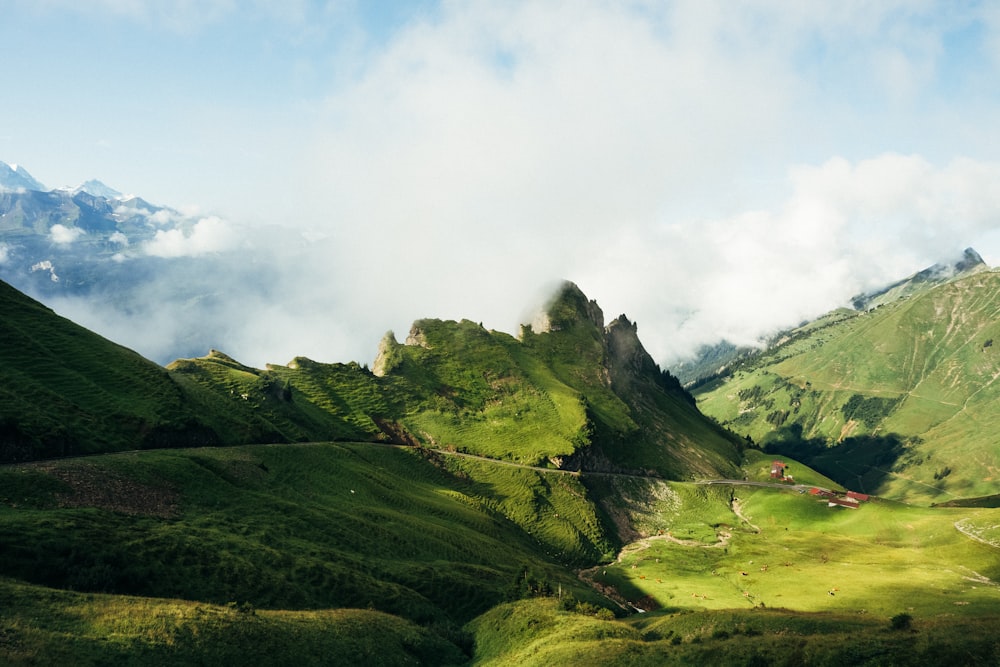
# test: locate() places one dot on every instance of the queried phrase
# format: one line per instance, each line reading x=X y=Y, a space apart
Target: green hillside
x=64 y=390
x=292 y=528
x=575 y=394
x=900 y=400
x=374 y=554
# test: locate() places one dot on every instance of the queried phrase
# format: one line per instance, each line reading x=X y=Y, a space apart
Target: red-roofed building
x=778 y=469
x=843 y=502
x=858 y=496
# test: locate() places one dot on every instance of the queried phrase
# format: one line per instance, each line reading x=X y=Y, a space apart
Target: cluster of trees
x=868 y=410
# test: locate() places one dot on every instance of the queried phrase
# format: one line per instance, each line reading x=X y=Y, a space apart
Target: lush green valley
x=321 y=553
x=474 y=498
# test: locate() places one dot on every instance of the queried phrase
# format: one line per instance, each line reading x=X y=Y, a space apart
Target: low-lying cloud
x=63 y=235
x=208 y=235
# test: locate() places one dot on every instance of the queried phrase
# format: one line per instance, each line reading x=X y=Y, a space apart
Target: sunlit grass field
x=789 y=581
x=883 y=559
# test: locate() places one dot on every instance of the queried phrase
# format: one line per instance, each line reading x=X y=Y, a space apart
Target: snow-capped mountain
x=98 y=189
x=16 y=177
x=155 y=277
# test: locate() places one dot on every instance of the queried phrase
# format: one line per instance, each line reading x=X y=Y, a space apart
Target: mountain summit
x=16 y=177
x=719 y=359
x=970 y=262
x=98 y=189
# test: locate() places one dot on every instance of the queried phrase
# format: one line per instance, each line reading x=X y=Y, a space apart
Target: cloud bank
x=710 y=168
x=207 y=235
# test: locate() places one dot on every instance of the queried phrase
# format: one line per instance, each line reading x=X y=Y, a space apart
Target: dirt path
x=737 y=510
x=962 y=527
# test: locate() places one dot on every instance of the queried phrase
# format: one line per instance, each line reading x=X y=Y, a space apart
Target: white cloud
x=118 y=238
x=208 y=235
x=641 y=149
x=844 y=229
x=46 y=265
x=131 y=209
x=4 y=253
x=163 y=217
x=63 y=235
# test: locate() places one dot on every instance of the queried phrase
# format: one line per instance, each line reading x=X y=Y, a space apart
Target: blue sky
x=708 y=167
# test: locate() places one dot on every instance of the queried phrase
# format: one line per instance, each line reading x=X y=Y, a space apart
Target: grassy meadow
x=540 y=633
x=374 y=554
x=775 y=577
x=785 y=548
x=292 y=528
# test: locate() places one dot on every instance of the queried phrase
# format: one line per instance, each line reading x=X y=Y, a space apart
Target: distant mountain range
x=15 y=177
x=69 y=240
x=126 y=262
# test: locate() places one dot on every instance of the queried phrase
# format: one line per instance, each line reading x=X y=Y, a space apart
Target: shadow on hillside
x=861 y=463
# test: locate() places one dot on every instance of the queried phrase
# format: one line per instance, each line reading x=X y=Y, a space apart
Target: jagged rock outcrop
x=625 y=351
x=384 y=356
x=417 y=336
x=568 y=306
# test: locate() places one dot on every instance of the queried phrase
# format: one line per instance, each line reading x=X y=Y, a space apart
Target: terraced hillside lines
x=298 y=527
x=916 y=378
x=65 y=390
x=270 y=407
x=49 y=626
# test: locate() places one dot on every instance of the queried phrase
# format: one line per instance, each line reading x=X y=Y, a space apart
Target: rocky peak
x=970 y=260
x=569 y=306
x=384 y=358
x=16 y=177
x=625 y=350
x=417 y=336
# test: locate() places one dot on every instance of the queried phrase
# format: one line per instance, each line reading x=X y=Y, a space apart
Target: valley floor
x=368 y=554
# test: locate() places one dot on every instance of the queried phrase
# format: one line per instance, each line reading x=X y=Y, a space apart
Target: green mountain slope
x=721 y=359
x=65 y=390
x=432 y=540
x=574 y=394
x=908 y=390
